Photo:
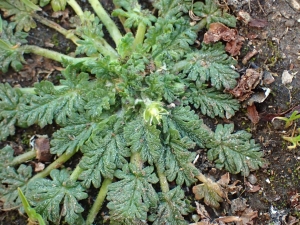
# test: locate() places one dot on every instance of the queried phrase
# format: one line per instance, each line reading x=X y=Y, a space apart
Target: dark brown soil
x=278 y=43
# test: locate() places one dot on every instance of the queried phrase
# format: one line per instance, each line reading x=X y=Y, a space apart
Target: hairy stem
x=136 y=160
x=75 y=174
x=98 y=202
x=164 y=185
x=140 y=34
x=106 y=20
x=75 y=7
x=56 y=27
x=23 y=158
x=50 y=54
x=56 y=164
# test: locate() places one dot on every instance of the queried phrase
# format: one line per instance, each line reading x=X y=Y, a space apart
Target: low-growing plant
x=125 y=112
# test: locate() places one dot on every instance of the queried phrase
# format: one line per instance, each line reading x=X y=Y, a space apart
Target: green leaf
x=10 y=99
x=31 y=213
x=144 y=139
x=57 y=197
x=234 y=151
x=172 y=207
x=172 y=8
x=103 y=153
x=213 y=13
x=212 y=64
x=213 y=102
x=169 y=40
x=9 y=44
x=125 y=46
x=90 y=30
x=188 y=124
x=56 y=103
x=31 y=5
x=71 y=138
x=210 y=191
x=58 y=5
x=138 y=195
x=10 y=181
x=133 y=12
x=6 y=156
x=178 y=159
x=20 y=12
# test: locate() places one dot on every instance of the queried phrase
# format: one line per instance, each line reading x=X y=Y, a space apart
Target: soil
x=272 y=190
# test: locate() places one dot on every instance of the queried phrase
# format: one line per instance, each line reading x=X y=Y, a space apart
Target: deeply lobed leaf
x=56 y=197
x=235 y=152
x=138 y=195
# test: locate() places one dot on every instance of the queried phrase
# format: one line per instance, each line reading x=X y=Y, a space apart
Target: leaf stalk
x=99 y=201
x=107 y=21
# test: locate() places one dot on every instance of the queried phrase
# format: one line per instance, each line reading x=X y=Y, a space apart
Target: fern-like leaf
x=234 y=151
x=56 y=197
x=9 y=103
x=178 y=159
x=169 y=40
x=144 y=139
x=138 y=195
x=188 y=124
x=212 y=64
x=103 y=153
x=172 y=207
x=213 y=102
x=212 y=13
x=11 y=179
x=19 y=12
x=9 y=43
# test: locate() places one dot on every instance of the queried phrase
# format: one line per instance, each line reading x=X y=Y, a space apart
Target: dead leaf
x=201 y=211
x=258 y=23
x=249 y=55
x=292 y=220
x=247 y=217
x=233 y=47
x=252 y=114
x=217 y=32
x=229 y=219
x=247 y=82
x=252 y=188
x=41 y=145
x=224 y=180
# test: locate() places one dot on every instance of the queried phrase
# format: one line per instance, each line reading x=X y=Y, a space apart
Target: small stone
x=290 y=23
x=252 y=179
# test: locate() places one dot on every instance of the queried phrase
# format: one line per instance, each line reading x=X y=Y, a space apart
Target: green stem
x=140 y=34
x=75 y=174
x=50 y=54
x=98 y=202
x=164 y=185
x=75 y=7
x=107 y=21
x=136 y=160
x=56 y=164
x=199 y=26
x=55 y=26
x=23 y=158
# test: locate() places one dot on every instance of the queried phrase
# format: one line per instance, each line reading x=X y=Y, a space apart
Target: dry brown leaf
x=252 y=188
x=201 y=211
x=217 y=32
x=252 y=114
x=258 y=23
x=233 y=47
x=224 y=180
x=248 y=81
x=247 y=217
x=229 y=219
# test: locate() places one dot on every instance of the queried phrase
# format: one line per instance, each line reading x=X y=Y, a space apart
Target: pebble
x=252 y=179
x=290 y=23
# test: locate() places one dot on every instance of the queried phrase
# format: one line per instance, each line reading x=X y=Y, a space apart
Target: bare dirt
x=271 y=191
